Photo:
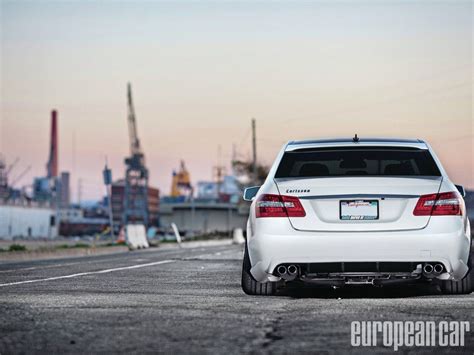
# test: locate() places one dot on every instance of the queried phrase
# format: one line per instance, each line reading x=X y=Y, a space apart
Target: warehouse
x=31 y=222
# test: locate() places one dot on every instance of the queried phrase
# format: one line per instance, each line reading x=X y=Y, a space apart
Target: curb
x=58 y=254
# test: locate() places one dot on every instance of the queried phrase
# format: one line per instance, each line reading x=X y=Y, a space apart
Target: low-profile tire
x=252 y=287
x=461 y=287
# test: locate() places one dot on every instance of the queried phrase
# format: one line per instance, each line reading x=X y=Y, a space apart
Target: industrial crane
x=12 y=165
x=135 y=150
x=5 y=173
x=3 y=178
x=20 y=176
x=181 y=183
x=136 y=176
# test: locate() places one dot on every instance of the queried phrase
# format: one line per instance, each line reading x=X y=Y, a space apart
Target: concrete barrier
x=238 y=236
x=135 y=236
x=176 y=233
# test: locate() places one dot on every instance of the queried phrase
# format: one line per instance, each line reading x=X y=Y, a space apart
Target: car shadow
x=354 y=292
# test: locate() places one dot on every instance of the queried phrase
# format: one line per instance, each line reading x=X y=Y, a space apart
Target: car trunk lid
x=359 y=204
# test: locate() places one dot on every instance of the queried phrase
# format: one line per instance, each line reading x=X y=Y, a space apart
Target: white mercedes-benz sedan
x=356 y=211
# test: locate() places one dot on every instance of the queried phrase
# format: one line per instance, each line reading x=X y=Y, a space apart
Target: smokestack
x=53 y=148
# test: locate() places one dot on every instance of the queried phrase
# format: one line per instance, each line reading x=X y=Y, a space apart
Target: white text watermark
x=396 y=334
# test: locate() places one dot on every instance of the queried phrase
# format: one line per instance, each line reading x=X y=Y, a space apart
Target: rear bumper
x=446 y=240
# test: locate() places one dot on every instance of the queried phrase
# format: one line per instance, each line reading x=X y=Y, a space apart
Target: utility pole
x=254 y=150
x=193 y=212
x=73 y=159
x=219 y=170
x=234 y=158
x=107 y=173
x=57 y=186
x=79 y=191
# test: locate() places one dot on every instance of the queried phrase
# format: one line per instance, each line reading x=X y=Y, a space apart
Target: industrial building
x=53 y=189
x=26 y=221
x=64 y=190
x=225 y=190
x=75 y=223
x=118 y=204
x=46 y=210
x=204 y=217
x=34 y=215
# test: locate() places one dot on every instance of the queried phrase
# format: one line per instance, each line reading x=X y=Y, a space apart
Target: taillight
x=279 y=206
x=442 y=204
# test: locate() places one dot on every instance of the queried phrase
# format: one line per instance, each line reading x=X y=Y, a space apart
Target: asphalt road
x=189 y=301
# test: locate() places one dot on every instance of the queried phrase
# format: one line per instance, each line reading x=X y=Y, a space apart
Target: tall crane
x=21 y=175
x=5 y=174
x=135 y=149
x=136 y=176
x=12 y=165
x=3 y=178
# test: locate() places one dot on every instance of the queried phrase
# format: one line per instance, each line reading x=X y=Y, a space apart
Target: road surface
x=189 y=300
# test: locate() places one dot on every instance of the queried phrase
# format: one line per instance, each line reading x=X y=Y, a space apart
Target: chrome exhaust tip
x=287 y=273
x=281 y=270
x=438 y=269
x=292 y=270
x=427 y=269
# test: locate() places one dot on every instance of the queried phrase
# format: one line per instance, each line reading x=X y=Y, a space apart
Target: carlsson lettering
x=297 y=191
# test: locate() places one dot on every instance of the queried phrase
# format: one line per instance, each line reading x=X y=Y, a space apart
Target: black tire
x=461 y=287
x=252 y=287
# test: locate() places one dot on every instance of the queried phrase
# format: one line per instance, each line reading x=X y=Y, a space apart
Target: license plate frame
x=372 y=206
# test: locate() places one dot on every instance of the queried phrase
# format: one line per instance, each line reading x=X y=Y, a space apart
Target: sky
x=200 y=71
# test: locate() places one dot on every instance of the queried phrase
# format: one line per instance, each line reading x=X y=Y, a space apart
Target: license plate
x=359 y=210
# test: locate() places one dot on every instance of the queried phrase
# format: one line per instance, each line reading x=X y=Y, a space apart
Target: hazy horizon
x=201 y=70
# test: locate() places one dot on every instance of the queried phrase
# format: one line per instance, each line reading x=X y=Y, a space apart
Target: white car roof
x=347 y=142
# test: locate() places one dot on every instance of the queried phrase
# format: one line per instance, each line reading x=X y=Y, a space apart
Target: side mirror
x=461 y=190
x=250 y=192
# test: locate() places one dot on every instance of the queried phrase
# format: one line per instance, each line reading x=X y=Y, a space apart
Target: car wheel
x=461 y=287
x=249 y=285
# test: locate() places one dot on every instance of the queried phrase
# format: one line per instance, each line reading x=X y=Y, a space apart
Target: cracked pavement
x=193 y=303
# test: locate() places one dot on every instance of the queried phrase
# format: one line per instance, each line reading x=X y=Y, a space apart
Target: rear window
x=357 y=161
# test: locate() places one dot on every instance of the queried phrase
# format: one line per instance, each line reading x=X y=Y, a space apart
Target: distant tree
x=244 y=173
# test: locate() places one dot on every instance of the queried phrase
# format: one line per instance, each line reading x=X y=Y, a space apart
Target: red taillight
x=442 y=204
x=279 y=206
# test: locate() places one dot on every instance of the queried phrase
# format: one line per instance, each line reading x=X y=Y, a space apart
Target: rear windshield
x=357 y=161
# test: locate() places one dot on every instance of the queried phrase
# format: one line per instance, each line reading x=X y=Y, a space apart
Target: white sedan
x=357 y=211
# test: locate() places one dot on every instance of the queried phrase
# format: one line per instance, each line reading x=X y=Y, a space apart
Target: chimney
x=53 y=148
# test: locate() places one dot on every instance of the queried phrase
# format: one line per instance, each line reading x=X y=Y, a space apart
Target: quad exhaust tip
x=438 y=269
x=292 y=270
x=281 y=270
x=287 y=273
x=433 y=270
x=428 y=269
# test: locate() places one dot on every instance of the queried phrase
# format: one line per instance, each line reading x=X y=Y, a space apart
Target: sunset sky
x=201 y=70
